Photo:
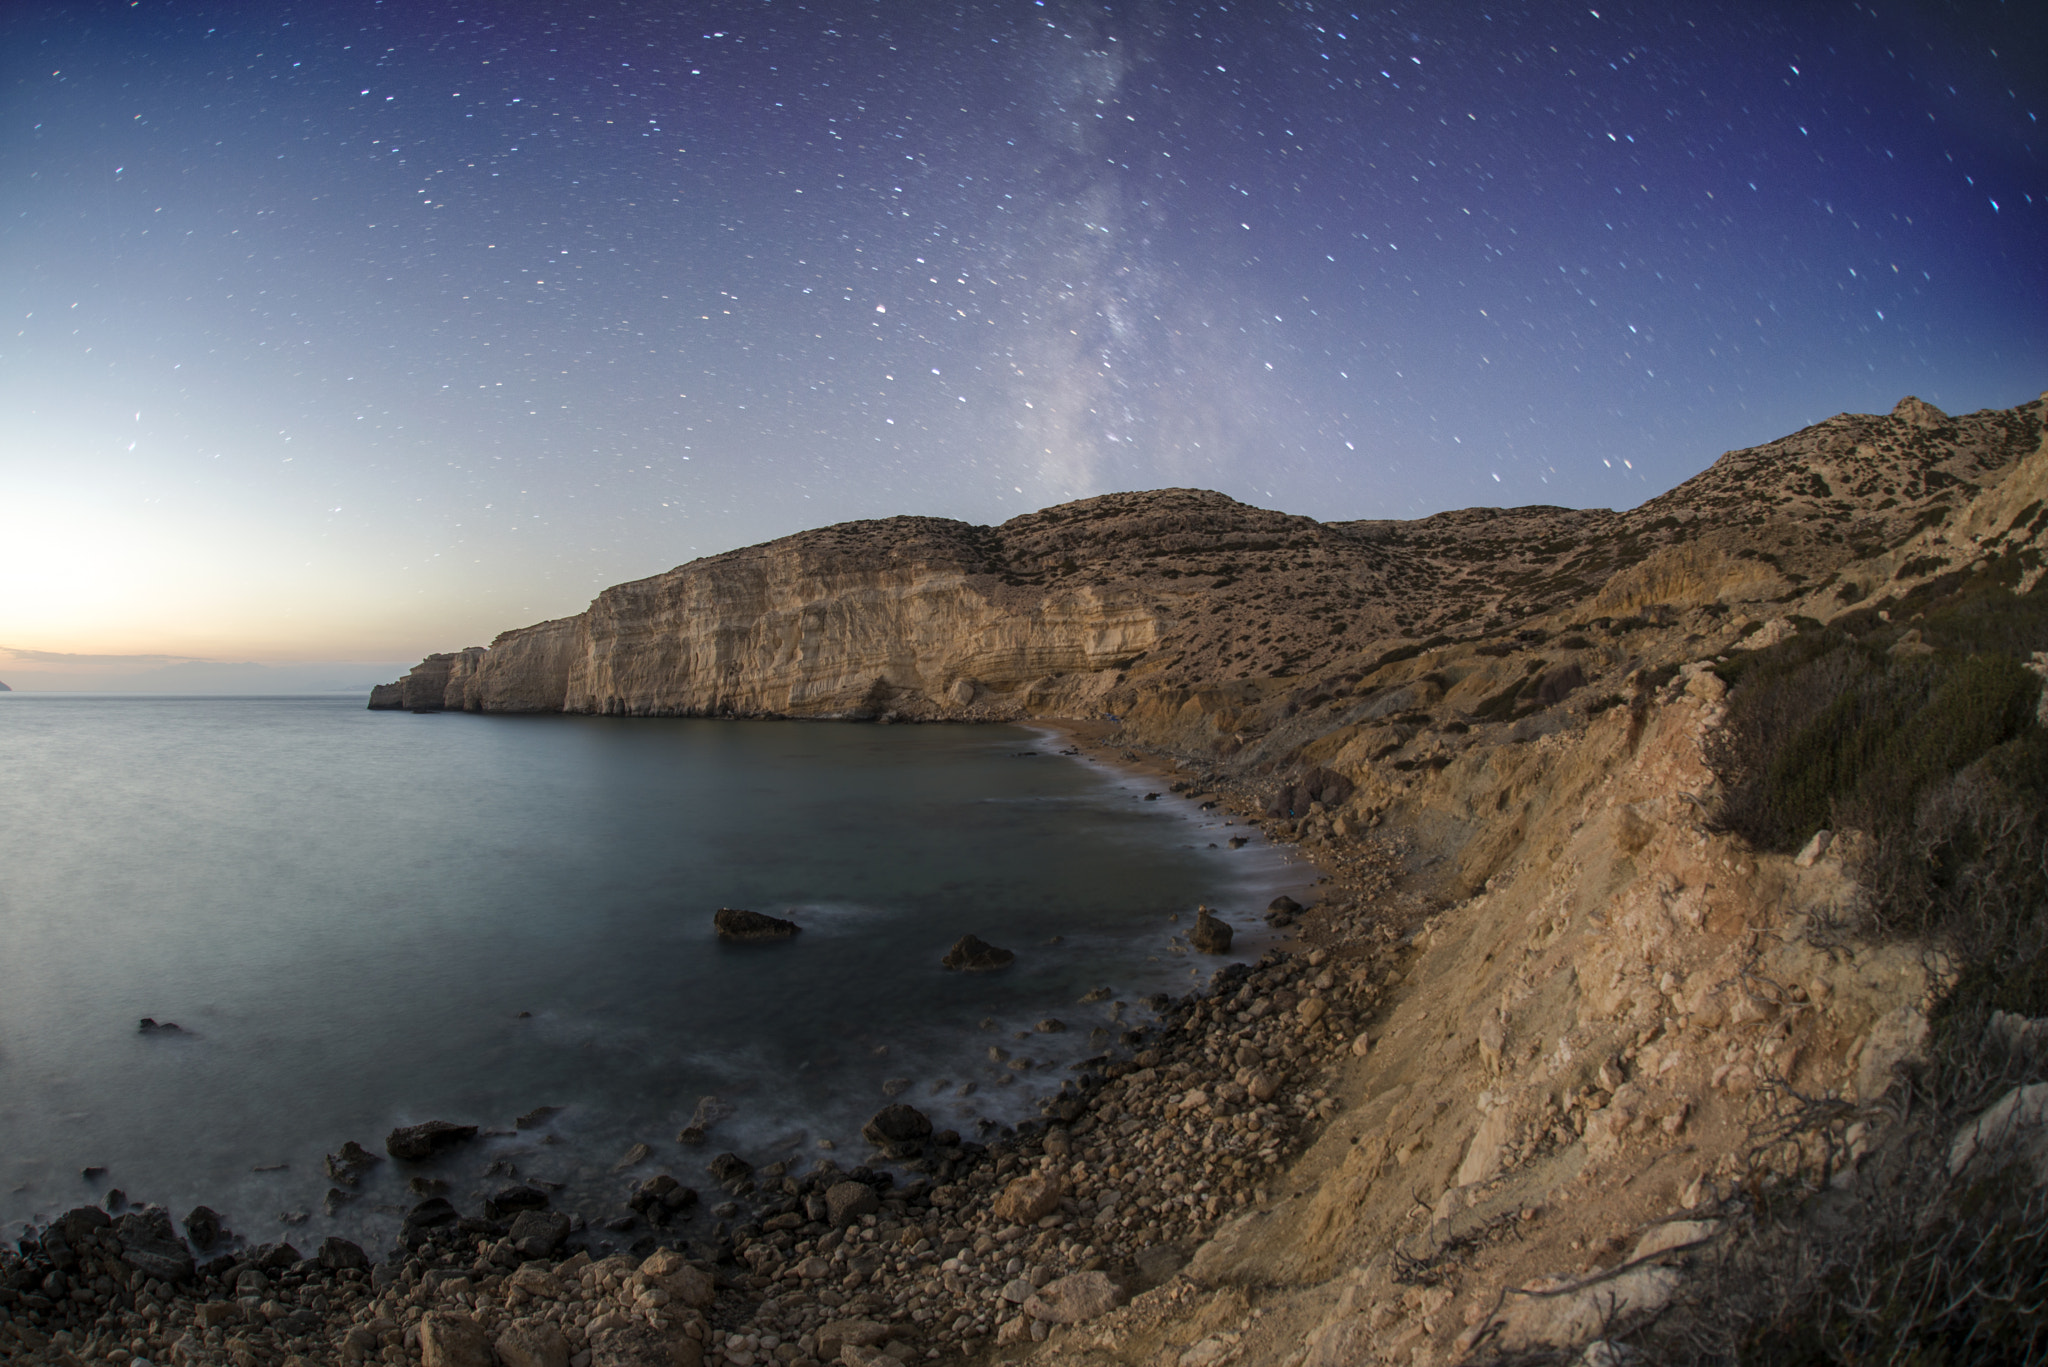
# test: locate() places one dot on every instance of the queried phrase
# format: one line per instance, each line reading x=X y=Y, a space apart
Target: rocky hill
x=1112 y=604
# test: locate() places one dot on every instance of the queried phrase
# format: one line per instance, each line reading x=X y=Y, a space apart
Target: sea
x=359 y=920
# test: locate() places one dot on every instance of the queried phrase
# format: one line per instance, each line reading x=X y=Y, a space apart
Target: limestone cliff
x=1190 y=609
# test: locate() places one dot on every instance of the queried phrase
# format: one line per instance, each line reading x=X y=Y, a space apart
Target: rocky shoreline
x=936 y=1247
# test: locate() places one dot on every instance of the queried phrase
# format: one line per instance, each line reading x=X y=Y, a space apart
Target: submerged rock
x=348 y=1163
x=734 y=923
x=972 y=954
x=898 y=1130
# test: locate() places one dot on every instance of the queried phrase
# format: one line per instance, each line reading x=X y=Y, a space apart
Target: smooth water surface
x=364 y=919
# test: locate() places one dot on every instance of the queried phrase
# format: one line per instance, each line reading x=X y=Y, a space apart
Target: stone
x=532 y=1343
x=337 y=1254
x=972 y=954
x=661 y=1196
x=729 y=1169
x=637 y=1345
x=511 y=1200
x=152 y=1247
x=203 y=1227
x=898 y=1129
x=734 y=923
x=1814 y=849
x=682 y=1279
x=538 y=1233
x=449 y=1340
x=846 y=1202
x=1896 y=1038
x=634 y=1157
x=535 y=1118
x=418 y=1143
x=536 y=1280
x=1673 y=1235
x=1027 y=1199
x=347 y=1164
x=1311 y=1010
x=1362 y=1045
x=2019 y=1114
x=1564 y=1318
x=1074 y=1299
x=432 y=1213
x=835 y=1335
x=1211 y=935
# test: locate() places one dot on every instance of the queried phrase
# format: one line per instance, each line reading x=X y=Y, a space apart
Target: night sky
x=352 y=330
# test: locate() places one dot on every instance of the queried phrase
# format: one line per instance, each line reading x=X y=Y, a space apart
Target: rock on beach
x=418 y=1143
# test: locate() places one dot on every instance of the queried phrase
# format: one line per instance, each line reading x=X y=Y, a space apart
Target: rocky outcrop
x=1179 y=603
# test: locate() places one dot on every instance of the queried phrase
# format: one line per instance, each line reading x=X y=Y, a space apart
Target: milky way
x=432 y=318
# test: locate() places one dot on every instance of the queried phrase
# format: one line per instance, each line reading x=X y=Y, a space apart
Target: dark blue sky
x=355 y=329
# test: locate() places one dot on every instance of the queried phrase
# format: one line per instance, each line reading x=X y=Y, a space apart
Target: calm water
x=368 y=919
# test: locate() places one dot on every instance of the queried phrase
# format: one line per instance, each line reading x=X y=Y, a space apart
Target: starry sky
x=351 y=330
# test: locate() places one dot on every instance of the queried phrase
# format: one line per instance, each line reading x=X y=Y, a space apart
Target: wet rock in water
x=427 y=1186
x=149 y=1026
x=511 y=1200
x=152 y=1247
x=733 y=923
x=432 y=1213
x=1027 y=1200
x=660 y=1197
x=1050 y=1026
x=203 y=1227
x=898 y=1130
x=710 y=1110
x=335 y=1199
x=1073 y=1299
x=1238 y=842
x=1284 y=905
x=114 y=1199
x=535 y=1118
x=340 y=1255
x=972 y=954
x=729 y=1169
x=532 y=1343
x=418 y=1143
x=448 y=1340
x=846 y=1202
x=1211 y=934
x=895 y=1086
x=538 y=1233
x=634 y=1157
x=347 y=1164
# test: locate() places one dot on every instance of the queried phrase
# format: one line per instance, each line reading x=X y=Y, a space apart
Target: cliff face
x=1197 y=613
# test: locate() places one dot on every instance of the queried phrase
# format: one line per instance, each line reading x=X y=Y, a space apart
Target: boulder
x=836 y=1335
x=203 y=1227
x=152 y=1247
x=732 y=923
x=634 y=1157
x=972 y=954
x=1074 y=1298
x=729 y=1169
x=432 y=1213
x=418 y=1143
x=453 y=1341
x=1211 y=934
x=347 y=1164
x=532 y=1343
x=535 y=1118
x=846 y=1202
x=512 y=1200
x=636 y=1345
x=683 y=1280
x=538 y=1233
x=339 y=1255
x=898 y=1130
x=661 y=1196
x=1027 y=1200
